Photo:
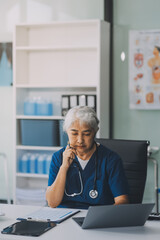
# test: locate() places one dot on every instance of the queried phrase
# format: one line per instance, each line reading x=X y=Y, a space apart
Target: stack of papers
x=48 y=214
x=31 y=196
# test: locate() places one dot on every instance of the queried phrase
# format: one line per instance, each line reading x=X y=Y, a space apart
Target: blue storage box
x=39 y=132
x=62 y=135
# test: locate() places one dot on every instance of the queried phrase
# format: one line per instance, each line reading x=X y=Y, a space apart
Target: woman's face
x=81 y=137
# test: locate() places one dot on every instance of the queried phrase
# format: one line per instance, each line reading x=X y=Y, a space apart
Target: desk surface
x=70 y=230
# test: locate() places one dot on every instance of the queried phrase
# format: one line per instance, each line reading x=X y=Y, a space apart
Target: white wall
x=17 y=11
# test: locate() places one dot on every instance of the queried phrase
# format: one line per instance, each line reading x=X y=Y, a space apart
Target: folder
x=82 y=100
x=73 y=101
x=91 y=101
x=63 y=135
x=65 y=104
x=47 y=214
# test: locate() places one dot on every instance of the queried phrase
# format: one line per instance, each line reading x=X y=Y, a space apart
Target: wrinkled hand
x=68 y=156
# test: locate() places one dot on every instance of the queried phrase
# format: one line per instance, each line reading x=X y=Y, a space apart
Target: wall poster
x=144 y=69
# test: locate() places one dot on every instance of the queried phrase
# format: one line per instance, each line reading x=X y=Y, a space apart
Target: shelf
x=60 y=23
x=57 y=68
x=57 y=48
x=55 y=33
x=40 y=117
x=51 y=60
x=22 y=147
x=31 y=175
x=57 y=88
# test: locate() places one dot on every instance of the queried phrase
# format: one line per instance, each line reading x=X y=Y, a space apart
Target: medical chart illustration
x=144 y=69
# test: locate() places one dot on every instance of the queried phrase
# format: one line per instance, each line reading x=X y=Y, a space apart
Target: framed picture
x=6 y=66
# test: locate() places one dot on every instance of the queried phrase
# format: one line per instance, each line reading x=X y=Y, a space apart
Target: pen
x=38 y=220
x=66 y=214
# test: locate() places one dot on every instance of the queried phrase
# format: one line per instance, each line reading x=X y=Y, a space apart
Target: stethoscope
x=92 y=193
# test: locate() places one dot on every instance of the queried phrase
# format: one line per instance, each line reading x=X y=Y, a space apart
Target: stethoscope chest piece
x=93 y=194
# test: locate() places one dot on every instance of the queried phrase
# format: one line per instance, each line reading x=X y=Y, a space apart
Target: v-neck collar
x=90 y=165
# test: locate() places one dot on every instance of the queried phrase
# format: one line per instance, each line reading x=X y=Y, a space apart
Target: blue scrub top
x=111 y=181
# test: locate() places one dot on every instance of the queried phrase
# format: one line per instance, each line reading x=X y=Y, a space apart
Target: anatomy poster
x=144 y=69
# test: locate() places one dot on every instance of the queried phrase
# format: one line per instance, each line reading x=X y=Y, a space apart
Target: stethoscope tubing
x=76 y=194
x=93 y=193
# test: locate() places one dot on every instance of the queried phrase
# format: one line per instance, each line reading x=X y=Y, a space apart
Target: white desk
x=70 y=230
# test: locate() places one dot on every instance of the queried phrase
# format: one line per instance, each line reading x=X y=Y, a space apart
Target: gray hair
x=83 y=114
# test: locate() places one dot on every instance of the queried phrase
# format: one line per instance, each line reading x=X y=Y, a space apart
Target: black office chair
x=134 y=157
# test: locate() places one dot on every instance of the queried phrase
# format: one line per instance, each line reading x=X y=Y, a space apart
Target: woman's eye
x=74 y=134
x=87 y=134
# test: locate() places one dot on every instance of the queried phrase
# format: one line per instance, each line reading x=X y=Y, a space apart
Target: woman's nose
x=80 y=139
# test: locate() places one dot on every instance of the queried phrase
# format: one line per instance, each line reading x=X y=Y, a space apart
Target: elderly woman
x=85 y=173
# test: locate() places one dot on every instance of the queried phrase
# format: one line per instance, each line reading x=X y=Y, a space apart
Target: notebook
x=107 y=216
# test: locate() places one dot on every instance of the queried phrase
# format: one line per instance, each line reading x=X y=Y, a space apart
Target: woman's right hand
x=68 y=156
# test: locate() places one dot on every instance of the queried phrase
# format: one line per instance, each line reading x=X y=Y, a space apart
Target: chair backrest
x=134 y=158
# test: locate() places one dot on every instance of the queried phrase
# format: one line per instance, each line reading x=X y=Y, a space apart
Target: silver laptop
x=107 y=216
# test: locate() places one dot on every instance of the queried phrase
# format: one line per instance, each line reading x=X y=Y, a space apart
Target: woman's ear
x=96 y=131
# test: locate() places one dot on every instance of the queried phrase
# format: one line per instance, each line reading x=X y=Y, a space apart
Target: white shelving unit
x=51 y=60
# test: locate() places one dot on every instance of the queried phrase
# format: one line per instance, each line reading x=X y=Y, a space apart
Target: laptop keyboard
x=154 y=216
x=78 y=220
